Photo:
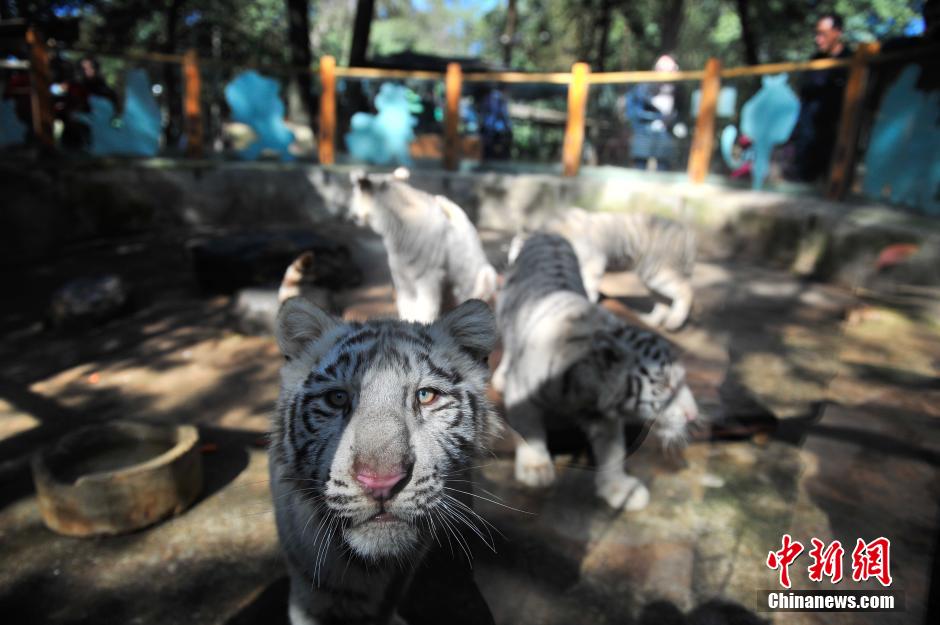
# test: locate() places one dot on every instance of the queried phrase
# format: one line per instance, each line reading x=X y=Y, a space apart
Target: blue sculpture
x=136 y=132
x=904 y=151
x=12 y=130
x=383 y=138
x=255 y=101
x=767 y=120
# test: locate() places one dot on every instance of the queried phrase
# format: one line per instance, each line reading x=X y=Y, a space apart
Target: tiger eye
x=426 y=396
x=337 y=399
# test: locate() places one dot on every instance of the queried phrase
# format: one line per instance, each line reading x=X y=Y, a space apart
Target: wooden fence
x=578 y=80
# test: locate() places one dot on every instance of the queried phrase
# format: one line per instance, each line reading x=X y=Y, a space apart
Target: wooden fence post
x=574 y=129
x=192 y=112
x=452 y=87
x=40 y=79
x=327 y=110
x=703 y=141
x=842 y=167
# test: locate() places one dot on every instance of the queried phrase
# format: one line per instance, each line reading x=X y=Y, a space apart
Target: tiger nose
x=380 y=485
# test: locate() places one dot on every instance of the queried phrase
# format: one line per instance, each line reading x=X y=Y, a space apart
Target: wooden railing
x=578 y=80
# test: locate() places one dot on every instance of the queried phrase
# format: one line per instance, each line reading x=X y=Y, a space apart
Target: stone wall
x=48 y=203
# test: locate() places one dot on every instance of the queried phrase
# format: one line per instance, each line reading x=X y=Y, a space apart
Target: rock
x=255 y=309
x=88 y=300
x=226 y=263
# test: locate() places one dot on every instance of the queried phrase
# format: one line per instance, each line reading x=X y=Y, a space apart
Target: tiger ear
x=298 y=323
x=360 y=179
x=473 y=327
x=606 y=347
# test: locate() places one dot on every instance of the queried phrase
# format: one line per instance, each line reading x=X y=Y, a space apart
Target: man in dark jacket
x=821 y=93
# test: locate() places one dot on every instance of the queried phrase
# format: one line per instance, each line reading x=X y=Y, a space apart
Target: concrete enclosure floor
x=826 y=406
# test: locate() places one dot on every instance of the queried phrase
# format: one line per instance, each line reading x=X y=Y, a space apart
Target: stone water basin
x=117 y=477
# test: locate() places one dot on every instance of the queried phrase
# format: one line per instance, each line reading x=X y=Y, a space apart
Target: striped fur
x=433 y=248
x=350 y=403
x=660 y=251
x=566 y=359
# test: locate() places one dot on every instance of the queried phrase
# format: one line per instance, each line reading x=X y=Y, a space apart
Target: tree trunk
x=361 y=28
x=510 y=33
x=747 y=33
x=603 y=28
x=174 y=99
x=298 y=22
x=670 y=25
x=637 y=34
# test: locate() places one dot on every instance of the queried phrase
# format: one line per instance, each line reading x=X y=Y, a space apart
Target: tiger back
x=567 y=360
x=661 y=251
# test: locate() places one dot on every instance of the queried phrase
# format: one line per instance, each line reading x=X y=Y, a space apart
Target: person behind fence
x=78 y=88
x=653 y=113
x=814 y=135
x=495 y=126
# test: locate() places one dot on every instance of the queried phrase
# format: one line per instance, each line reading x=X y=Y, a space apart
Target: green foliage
x=550 y=34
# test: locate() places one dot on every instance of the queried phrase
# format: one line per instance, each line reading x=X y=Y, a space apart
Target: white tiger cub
x=373 y=434
x=566 y=359
x=660 y=250
x=432 y=246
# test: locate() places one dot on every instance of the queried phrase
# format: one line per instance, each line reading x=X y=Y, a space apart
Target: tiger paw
x=675 y=320
x=623 y=491
x=657 y=316
x=673 y=326
x=534 y=465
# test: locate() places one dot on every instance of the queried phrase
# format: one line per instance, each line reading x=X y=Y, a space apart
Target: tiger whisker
x=493 y=501
x=469 y=523
x=491 y=494
x=475 y=514
x=457 y=537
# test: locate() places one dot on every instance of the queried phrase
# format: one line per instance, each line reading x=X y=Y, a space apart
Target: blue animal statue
x=255 y=101
x=767 y=119
x=383 y=138
x=136 y=132
x=903 y=155
x=12 y=130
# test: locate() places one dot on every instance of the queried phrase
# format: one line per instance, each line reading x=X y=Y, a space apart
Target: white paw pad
x=534 y=465
x=624 y=492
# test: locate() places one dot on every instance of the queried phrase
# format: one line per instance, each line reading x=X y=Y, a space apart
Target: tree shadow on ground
x=269 y=607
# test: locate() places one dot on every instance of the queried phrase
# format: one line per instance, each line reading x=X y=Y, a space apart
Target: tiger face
x=376 y=418
x=366 y=192
x=362 y=202
x=641 y=378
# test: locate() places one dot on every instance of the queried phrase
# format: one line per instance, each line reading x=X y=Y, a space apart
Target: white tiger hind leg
x=592 y=272
x=534 y=465
x=657 y=316
x=611 y=482
x=681 y=306
x=670 y=285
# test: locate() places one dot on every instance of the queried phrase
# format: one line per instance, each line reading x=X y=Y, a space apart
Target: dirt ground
x=825 y=404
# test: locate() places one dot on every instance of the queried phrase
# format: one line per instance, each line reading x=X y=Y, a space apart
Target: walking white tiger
x=566 y=359
x=372 y=438
x=660 y=250
x=432 y=246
